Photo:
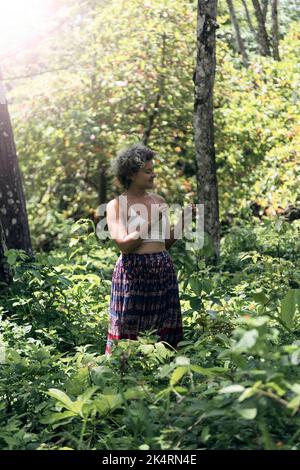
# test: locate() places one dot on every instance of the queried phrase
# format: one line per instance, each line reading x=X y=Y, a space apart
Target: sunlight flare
x=22 y=21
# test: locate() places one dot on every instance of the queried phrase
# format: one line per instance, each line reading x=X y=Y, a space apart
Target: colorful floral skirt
x=144 y=297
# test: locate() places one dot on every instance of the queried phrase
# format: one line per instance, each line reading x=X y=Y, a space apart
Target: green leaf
x=208 y=371
x=195 y=303
x=182 y=361
x=247 y=341
x=232 y=389
x=11 y=257
x=134 y=393
x=161 y=350
x=55 y=417
x=196 y=285
x=15 y=356
x=247 y=413
x=178 y=373
x=180 y=389
x=106 y=403
x=75 y=227
x=63 y=398
x=280 y=391
x=73 y=242
x=165 y=370
x=207 y=286
x=86 y=396
x=205 y=434
x=100 y=374
x=288 y=306
x=294 y=404
x=146 y=349
x=260 y=297
x=249 y=392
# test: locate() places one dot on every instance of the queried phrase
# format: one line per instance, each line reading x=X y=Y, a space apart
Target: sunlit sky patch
x=23 y=21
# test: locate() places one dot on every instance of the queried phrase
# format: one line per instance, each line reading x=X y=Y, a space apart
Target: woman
x=144 y=291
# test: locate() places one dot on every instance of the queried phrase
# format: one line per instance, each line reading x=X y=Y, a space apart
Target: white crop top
x=158 y=230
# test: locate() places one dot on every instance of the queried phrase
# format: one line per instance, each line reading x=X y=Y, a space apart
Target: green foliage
x=234 y=383
x=239 y=361
x=117 y=75
x=289 y=307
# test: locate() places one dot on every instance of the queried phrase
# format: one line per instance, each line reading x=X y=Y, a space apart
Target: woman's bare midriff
x=152 y=247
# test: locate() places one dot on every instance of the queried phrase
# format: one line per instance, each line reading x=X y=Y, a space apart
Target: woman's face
x=144 y=178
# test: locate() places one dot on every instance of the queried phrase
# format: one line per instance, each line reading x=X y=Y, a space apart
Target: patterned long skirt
x=144 y=297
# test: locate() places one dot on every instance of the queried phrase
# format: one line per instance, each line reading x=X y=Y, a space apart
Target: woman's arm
x=116 y=222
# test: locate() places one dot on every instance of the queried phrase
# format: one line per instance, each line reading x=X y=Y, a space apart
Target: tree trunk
x=275 y=30
x=239 y=39
x=207 y=190
x=264 y=9
x=161 y=87
x=5 y=271
x=102 y=188
x=262 y=36
x=249 y=18
x=12 y=200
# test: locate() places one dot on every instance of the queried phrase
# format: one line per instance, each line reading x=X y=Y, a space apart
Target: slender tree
x=5 y=272
x=262 y=35
x=264 y=9
x=161 y=89
x=207 y=189
x=249 y=17
x=12 y=201
x=239 y=39
x=275 y=30
x=102 y=198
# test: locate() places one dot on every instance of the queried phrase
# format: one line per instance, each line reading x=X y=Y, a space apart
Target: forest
x=213 y=87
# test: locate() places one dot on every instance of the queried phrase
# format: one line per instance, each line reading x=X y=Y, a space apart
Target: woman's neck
x=137 y=193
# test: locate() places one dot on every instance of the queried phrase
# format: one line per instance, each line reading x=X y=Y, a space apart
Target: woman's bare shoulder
x=115 y=201
x=157 y=197
x=113 y=204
